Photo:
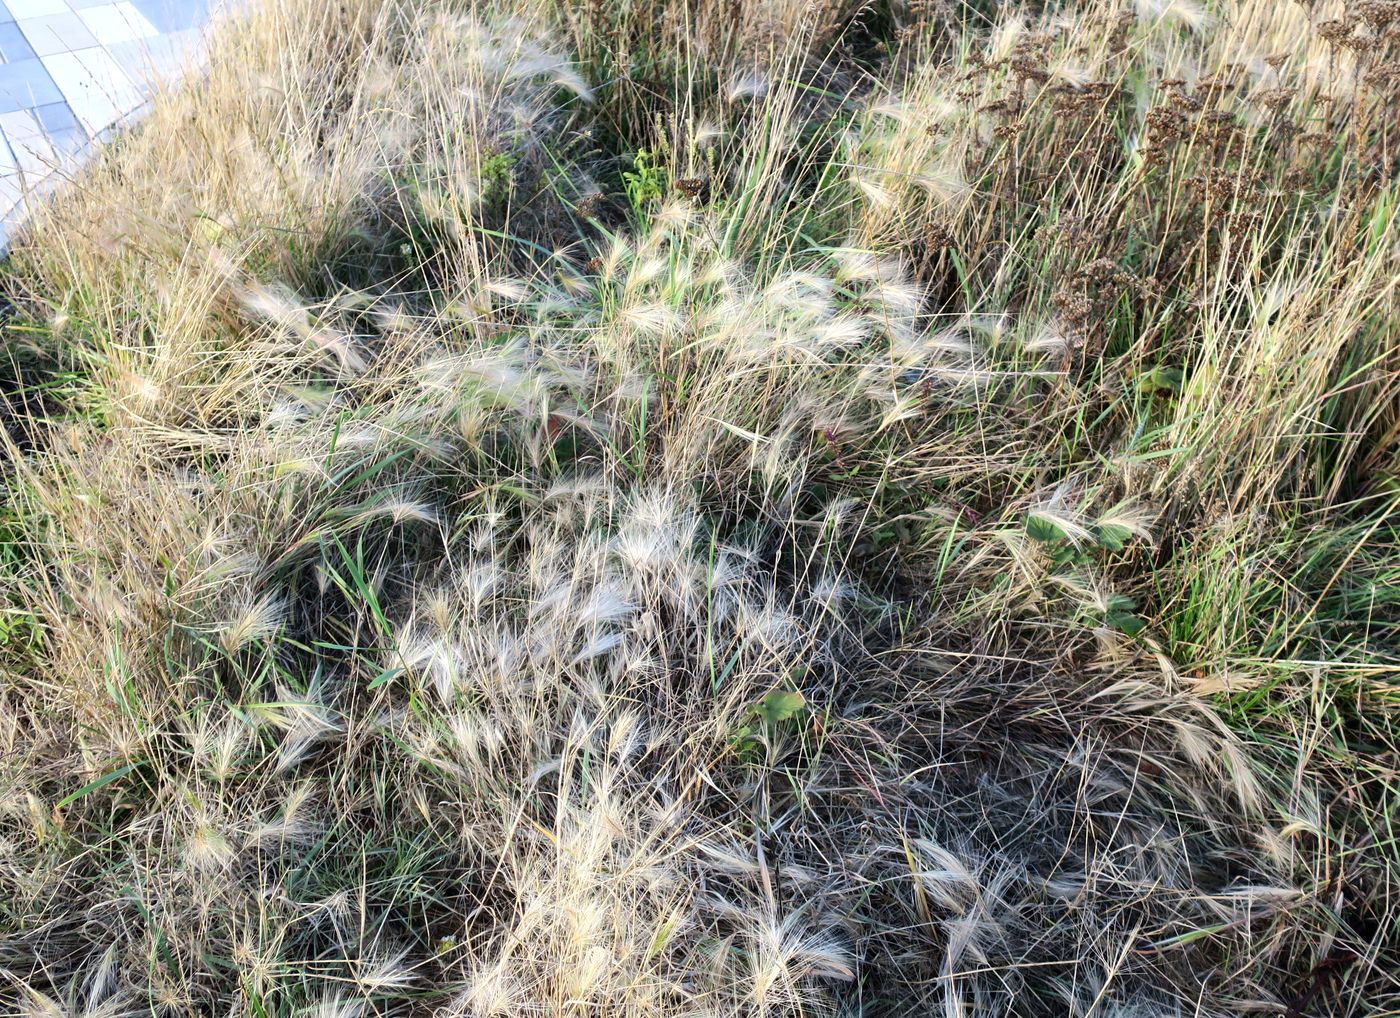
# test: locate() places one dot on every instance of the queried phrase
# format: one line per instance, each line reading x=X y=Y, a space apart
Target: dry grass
x=714 y=509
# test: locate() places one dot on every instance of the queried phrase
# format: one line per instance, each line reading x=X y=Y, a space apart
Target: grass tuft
x=660 y=509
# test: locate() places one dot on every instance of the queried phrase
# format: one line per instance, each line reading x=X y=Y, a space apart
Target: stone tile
x=25 y=191
x=116 y=22
x=29 y=142
x=95 y=86
x=13 y=45
x=56 y=33
x=165 y=58
x=13 y=195
x=71 y=73
x=20 y=126
x=26 y=83
x=56 y=117
x=173 y=15
x=17 y=9
x=69 y=142
x=35 y=8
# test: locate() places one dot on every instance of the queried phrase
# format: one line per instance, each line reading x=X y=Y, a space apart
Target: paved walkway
x=70 y=70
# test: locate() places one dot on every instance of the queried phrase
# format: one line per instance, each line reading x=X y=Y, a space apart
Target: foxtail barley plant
x=656 y=509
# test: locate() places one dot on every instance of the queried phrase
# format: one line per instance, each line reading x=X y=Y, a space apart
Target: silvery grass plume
x=771 y=588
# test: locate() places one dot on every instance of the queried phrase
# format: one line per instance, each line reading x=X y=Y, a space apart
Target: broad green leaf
x=1125 y=622
x=1112 y=536
x=1043 y=530
x=779 y=705
x=1161 y=379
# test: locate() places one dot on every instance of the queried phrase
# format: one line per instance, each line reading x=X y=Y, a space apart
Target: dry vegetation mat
x=700 y=509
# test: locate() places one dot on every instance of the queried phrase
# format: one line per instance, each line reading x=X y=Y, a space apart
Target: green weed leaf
x=1161 y=379
x=779 y=705
x=1043 y=530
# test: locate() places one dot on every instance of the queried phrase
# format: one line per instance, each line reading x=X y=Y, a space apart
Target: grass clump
x=675 y=509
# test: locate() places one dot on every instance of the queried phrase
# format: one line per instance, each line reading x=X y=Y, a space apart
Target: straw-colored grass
x=714 y=509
